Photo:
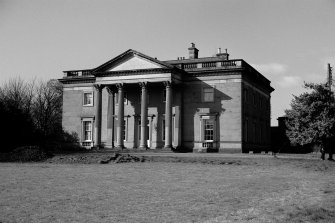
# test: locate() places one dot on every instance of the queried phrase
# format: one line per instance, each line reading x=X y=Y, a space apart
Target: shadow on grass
x=317 y=214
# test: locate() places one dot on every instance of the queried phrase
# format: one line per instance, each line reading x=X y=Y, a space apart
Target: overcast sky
x=289 y=42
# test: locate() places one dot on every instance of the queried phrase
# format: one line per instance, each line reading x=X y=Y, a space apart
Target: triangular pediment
x=131 y=60
x=134 y=63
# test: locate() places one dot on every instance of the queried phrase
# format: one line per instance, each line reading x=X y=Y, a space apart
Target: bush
x=28 y=154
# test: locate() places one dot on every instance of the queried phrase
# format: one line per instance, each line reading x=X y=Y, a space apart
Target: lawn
x=250 y=190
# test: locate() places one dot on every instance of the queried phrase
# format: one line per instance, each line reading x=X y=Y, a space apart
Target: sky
x=289 y=42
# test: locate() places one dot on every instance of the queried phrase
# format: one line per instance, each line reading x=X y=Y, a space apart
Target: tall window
x=208 y=94
x=208 y=129
x=88 y=99
x=87 y=127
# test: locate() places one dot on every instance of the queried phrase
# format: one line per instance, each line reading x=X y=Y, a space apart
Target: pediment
x=134 y=63
x=131 y=60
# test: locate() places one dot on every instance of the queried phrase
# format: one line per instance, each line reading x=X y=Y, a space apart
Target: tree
x=47 y=109
x=16 y=98
x=311 y=119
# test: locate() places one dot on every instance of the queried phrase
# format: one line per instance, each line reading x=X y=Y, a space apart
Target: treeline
x=31 y=114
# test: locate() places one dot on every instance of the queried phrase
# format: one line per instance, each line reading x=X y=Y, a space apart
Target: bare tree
x=16 y=99
x=47 y=108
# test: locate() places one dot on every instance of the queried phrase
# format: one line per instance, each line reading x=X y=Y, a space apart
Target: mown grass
x=256 y=190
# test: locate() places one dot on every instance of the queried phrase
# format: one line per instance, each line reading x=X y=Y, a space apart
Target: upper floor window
x=88 y=99
x=208 y=94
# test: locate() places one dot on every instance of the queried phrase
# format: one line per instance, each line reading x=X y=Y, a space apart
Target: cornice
x=133 y=72
x=77 y=80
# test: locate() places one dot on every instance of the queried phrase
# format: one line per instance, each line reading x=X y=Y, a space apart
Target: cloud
x=290 y=81
x=271 y=68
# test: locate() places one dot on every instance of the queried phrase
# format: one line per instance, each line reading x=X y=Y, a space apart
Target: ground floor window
x=87 y=127
x=209 y=129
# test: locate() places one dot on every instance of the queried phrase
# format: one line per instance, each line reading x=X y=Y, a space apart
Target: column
x=168 y=116
x=98 y=110
x=110 y=117
x=144 y=116
x=120 y=117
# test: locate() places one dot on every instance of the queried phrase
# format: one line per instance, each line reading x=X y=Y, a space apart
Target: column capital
x=167 y=84
x=119 y=86
x=143 y=84
x=110 y=90
x=98 y=87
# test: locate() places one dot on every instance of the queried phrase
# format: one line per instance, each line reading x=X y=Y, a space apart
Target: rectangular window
x=208 y=129
x=87 y=127
x=208 y=94
x=88 y=99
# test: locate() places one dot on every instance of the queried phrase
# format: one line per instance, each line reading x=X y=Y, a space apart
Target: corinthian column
x=168 y=116
x=98 y=109
x=120 y=117
x=110 y=117
x=144 y=116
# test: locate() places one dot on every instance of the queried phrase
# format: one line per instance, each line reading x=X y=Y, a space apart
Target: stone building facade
x=200 y=104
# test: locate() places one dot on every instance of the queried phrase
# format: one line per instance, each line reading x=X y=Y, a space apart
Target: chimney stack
x=225 y=55
x=193 y=52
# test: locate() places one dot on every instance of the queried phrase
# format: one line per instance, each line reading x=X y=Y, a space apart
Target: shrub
x=28 y=154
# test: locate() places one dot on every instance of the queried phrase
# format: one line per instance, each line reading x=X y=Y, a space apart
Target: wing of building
x=200 y=104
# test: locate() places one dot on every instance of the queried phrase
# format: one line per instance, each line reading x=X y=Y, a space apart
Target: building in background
x=200 y=104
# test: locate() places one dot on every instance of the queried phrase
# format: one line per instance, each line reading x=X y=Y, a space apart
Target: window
x=88 y=99
x=209 y=129
x=208 y=94
x=87 y=127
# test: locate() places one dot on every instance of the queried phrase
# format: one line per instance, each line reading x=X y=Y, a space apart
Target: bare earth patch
x=245 y=190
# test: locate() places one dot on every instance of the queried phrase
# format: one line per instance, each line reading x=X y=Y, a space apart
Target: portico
x=118 y=89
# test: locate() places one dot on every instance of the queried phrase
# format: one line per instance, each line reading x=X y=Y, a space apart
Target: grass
x=246 y=190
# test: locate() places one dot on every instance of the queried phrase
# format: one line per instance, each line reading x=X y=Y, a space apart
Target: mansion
x=135 y=101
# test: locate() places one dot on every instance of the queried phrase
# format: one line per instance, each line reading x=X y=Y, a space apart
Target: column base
x=168 y=147
x=143 y=148
x=119 y=147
